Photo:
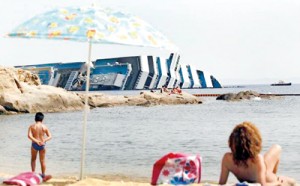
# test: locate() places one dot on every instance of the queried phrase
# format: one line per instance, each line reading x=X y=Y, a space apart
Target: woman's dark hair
x=245 y=143
x=39 y=116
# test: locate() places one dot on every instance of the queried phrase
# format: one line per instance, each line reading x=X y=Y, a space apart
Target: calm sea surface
x=128 y=140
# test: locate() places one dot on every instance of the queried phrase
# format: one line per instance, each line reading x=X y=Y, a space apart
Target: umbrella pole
x=86 y=110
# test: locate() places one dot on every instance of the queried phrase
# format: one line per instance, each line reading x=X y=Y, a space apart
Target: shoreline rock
x=143 y=99
x=22 y=92
x=243 y=95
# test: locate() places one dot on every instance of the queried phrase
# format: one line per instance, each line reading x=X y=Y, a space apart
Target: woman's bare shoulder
x=260 y=158
x=259 y=161
x=228 y=155
x=227 y=159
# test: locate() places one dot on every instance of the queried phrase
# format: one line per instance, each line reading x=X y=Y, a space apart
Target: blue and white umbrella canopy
x=94 y=24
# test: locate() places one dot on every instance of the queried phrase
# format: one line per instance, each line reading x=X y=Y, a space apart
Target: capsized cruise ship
x=125 y=73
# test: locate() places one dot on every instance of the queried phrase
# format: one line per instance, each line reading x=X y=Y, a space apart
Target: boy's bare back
x=38 y=131
x=39 y=134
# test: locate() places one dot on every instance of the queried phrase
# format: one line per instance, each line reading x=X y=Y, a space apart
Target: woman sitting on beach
x=245 y=162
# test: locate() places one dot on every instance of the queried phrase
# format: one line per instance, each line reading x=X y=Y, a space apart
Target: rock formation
x=143 y=99
x=22 y=92
x=243 y=95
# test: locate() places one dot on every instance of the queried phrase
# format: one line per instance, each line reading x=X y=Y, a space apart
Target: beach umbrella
x=92 y=25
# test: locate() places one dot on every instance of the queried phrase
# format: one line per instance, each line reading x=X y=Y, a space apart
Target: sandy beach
x=99 y=180
x=109 y=180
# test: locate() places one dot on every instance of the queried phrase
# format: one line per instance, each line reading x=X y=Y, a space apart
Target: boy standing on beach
x=36 y=133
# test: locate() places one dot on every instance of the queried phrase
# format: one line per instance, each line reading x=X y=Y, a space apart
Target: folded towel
x=24 y=179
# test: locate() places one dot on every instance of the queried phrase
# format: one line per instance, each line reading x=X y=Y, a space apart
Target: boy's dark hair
x=39 y=116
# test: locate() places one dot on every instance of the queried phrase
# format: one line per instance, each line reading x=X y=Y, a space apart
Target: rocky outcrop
x=243 y=95
x=22 y=92
x=143 y=99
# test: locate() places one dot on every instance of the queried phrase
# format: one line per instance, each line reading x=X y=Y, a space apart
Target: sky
x=238 y=41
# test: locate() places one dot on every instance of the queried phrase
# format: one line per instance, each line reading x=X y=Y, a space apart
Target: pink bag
x=177 y=168
x=25 y=179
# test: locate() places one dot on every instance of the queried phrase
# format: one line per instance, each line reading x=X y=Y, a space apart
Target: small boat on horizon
x=281 y=83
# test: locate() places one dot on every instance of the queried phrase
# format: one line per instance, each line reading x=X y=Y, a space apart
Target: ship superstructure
x=125 y=73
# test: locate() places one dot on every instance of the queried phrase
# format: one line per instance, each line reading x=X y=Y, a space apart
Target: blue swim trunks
x=37 y=147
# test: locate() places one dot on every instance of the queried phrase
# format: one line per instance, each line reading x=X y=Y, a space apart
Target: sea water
x=128 y=140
